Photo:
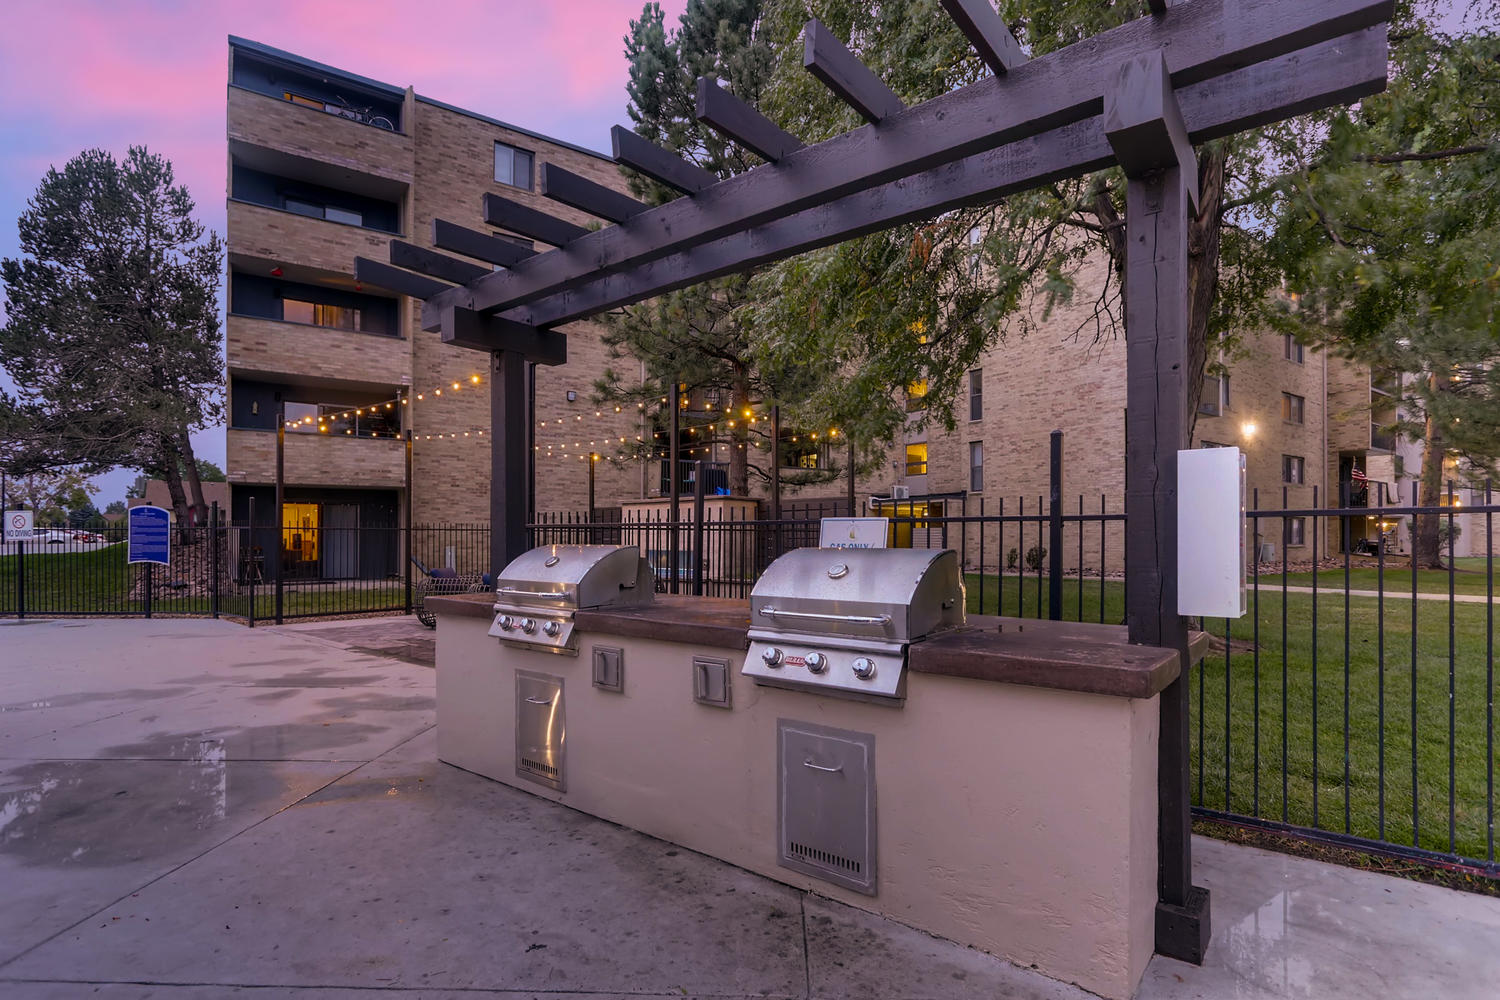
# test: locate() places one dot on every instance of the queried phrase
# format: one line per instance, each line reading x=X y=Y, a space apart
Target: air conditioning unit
x=899 y=492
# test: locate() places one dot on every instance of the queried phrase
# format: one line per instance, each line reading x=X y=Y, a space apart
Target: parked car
x=87 y=537
x=51 y=536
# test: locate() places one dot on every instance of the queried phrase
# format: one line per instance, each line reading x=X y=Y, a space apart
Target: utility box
x=1211 y=556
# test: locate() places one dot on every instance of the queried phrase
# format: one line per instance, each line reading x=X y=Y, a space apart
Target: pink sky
x=79 y=74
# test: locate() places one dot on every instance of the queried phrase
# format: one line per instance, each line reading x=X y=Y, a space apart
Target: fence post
x=150 y=586
x=254 y=568
x=213 y=559
x=1055 y=530
x=698 y=528
x=280 y=500
x=406 y=563
x=20 y=579
x=673 y=505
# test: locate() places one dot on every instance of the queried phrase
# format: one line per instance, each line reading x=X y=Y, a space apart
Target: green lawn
x=1382 y=687
x=99 y=581
x=1469 y=577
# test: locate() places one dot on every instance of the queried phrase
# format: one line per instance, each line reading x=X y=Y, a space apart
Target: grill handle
x=771 y=612
x=820 y=767
x=513 y=592
x=539 y=701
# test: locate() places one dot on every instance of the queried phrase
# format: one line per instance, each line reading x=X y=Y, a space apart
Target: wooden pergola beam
x=434 y=264
x=1335 y=72
x=394 y=279
x=466 y=328
x=987 y=33
x=826 y=58
x=733 y=118
x=644 y=157
x=575 y=191
x=1203 y=39
x=1143 y=122
x=506 y=214
x=481 y=246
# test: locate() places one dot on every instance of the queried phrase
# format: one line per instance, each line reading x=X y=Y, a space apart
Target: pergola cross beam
x=1202 y=40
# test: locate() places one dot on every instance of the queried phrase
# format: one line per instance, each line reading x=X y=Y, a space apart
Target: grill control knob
x=552 y=628
x=816 y=662
x=864 y=667
x=528 y=625
x=772 y=657
x=507 y=623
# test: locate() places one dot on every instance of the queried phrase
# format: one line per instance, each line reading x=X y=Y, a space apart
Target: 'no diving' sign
x=18 y=526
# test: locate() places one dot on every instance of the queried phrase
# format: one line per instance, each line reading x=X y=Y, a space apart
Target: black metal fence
x=257 y=573
x=1353 y=703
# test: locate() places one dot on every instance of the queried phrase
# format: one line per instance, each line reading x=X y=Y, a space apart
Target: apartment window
x=1291 y=349
x=976 y=394
x=344 y=215
x=306 y=102
x=1293 y=470
x=513 y=166
x=1212 y=444
x=1296 y=531
x=318 y=314
x=976 y=466
x=1224 y=390
x=330 y=212
x=916 y=393
x=1292 y=408
x=916 y=459
x=1210 y=403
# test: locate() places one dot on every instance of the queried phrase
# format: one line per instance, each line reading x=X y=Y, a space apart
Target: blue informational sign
x=149 y=535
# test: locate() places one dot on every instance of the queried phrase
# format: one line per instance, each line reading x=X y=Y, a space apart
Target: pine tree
x=112 y=329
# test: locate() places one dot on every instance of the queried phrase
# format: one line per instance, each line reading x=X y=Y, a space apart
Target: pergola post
x=508 y=458
x=1145 y=128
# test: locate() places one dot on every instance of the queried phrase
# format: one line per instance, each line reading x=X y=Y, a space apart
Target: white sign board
x=854 y=532
x=18 y=526
x=1211 y=557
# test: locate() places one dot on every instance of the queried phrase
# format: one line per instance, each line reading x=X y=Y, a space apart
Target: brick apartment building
x=325 y=165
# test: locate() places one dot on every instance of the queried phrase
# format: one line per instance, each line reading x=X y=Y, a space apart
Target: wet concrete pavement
x=193 y=809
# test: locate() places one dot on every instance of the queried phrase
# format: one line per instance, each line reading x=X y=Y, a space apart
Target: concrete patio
x=194 y=809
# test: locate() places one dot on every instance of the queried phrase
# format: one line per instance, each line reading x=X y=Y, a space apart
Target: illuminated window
x=916 y=459
x=318 y=314
x=915 y=395
x=513 y=166
x=306 y=102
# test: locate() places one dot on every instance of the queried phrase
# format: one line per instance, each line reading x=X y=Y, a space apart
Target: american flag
x=1358 y=476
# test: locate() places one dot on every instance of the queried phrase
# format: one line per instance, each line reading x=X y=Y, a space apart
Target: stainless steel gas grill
x=537 y=594
x=839 y=621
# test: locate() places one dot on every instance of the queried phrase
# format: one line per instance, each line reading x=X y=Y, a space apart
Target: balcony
x=316 y=460
x=270 y=234
x=268 y=346
x=272 y=123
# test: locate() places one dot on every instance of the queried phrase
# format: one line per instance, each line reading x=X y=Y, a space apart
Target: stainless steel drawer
x=541 y=730
x=826 y=803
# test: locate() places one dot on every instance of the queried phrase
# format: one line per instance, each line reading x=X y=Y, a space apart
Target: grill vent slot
x=826 y=804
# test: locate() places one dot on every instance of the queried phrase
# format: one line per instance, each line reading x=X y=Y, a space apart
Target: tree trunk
x=198 y=506
x=739 y=458
x=1426 y=544
x=170 y=459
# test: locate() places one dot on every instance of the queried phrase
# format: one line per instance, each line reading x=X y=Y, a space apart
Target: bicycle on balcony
x=364 y=115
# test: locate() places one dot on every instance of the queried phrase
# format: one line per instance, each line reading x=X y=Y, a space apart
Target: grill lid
x=892 y=594
x=575 y=576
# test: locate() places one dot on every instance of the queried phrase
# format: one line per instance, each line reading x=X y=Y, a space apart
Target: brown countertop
x=1070 y=656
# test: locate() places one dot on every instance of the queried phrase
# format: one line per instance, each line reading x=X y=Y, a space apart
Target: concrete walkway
x=1390 y=595
x=191 y=809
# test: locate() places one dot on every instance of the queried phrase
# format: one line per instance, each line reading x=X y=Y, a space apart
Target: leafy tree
x=208 y=472
x=52 y=494
x=112 y=327
x=1389 y=227
x=700 y=336
x=82 y=514
x=115 y=507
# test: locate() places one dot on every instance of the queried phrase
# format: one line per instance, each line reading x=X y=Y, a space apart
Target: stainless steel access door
x=826 y=803
x=541 y=730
